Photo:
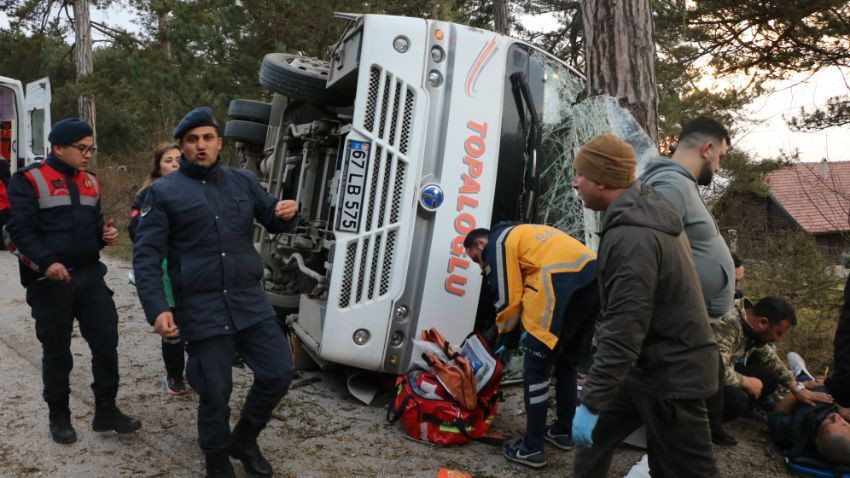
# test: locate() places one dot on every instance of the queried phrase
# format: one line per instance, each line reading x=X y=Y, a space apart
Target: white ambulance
x=417 y=132
x=24 y=121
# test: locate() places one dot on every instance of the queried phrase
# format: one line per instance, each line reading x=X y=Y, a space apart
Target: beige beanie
x=608 y=160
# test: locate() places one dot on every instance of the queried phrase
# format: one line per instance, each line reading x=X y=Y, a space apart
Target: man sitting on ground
x=746 y=332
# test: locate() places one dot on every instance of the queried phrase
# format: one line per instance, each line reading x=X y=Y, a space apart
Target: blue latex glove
x=583 y=424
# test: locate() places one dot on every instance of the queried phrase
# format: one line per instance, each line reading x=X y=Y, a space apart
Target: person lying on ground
x=821 y=430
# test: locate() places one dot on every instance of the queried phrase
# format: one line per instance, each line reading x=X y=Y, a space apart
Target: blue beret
x=69 y=130
x=197 y=117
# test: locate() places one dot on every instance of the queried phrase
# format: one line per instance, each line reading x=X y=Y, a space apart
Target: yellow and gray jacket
x=735 y=338
x=533 y=271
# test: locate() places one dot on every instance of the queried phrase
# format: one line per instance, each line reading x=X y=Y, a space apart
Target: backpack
x=452 y=369
x=428 y=412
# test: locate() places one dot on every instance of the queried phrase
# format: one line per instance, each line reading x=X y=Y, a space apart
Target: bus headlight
x=401 y=44
x=437 y=54
x=435 y=79
x=361 y=336
x=401 y=312
x=397 y=338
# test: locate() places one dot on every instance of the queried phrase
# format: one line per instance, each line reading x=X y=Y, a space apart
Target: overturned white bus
x=415 y=133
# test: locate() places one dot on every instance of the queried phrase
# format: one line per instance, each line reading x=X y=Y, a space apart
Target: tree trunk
x=83 y=61
x=620 y=56
x=161 y=9
x=162 y=33
x=500 y=17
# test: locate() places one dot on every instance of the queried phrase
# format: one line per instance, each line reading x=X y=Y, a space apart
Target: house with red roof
x=810 y=197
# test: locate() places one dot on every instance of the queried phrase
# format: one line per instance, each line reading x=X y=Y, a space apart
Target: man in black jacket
x=656 y=358
x=838 y=383
x=57 y=231
x=820 y=431
x=202 y=219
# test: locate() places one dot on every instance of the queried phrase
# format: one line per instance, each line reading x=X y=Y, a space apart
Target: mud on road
x=318 y=429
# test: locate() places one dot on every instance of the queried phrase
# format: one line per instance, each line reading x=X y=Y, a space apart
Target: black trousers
x=172 y=355
x=575 y=332
x=730 y=403
x=538 y=361
x=55 y=305
x=173 y=350
x=209 y=370
x=678 y=438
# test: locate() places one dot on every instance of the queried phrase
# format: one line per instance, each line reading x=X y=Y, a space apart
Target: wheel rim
x=308 y=65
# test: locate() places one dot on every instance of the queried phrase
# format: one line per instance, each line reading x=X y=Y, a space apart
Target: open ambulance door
x=24 y=123
x=11 y=125
x=37 y=105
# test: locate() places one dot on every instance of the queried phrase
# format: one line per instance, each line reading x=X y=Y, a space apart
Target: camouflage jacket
x=732 y=332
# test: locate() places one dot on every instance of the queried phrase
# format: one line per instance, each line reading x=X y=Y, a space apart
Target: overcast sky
x=766 y=136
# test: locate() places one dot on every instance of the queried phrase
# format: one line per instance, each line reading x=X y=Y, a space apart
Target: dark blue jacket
x=135 y=210
x=201 y=220
x=56 y=217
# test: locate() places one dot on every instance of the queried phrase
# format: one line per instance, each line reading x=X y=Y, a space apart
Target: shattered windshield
x=558 y=205
x=567 y=120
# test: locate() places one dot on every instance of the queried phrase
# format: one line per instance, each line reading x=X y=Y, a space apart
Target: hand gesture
x=57 y=271
x=753 y=386
x=583 y=424
x=110 y=233
x=164 y=325
x=286 y=209
x=809 y=397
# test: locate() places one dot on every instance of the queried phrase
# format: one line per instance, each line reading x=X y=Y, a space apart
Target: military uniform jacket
x=533 y=271
x=201 y=220
x=734 y=337
x=56 y=217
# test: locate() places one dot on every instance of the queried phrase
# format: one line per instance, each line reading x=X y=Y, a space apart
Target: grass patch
x=796 y=271
x=812 y=338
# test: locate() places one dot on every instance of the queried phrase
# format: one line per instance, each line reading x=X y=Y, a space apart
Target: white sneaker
x=640 y=469
x=798 y=367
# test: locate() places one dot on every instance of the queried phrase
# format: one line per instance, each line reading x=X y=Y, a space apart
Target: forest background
x=208 y=52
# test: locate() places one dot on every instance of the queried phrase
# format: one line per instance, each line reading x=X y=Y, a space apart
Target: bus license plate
x=353 y=185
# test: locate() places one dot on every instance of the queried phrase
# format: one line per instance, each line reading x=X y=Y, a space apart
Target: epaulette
x=34 y=165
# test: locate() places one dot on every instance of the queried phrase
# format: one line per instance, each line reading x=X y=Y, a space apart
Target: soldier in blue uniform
x=201 y=219
x=57 y=231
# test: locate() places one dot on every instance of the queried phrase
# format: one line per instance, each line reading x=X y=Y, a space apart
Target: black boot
x=719 y=436
x=60 y=423
x=218 y=465
x=243 y=447
x=108 y=417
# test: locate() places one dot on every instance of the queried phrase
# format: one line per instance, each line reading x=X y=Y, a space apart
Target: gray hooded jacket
x=711 y=254
x=653 y=331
